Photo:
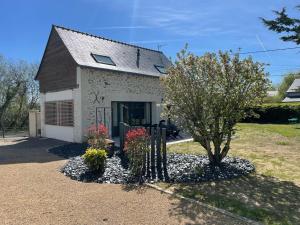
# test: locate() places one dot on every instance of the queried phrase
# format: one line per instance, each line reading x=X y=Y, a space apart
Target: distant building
x=293 y=93
x=272 y=93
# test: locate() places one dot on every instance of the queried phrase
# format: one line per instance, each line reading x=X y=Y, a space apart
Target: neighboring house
x=272 y=93
x=293 y=93
x=86 y=79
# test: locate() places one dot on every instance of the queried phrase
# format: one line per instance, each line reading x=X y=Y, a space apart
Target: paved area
x=33 y=191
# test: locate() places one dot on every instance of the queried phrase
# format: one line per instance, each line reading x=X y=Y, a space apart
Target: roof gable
x=295 y=87
x=57 y=70
x=82 y=45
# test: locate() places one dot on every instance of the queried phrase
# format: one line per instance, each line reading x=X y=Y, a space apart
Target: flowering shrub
x=95 y=159
x=96 y=136
x=136 y=146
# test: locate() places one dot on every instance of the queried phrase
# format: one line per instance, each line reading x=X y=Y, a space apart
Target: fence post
x=144 y=167
x=153 y=173
x=158 y=154
x=164 y=151
x=148 y=154
x=124 y=128
x=121 y=132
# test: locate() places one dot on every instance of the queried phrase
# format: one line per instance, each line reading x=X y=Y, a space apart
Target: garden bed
x=182 y=168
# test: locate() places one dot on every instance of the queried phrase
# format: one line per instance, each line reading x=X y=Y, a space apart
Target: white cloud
x=184 y=22
x=120 y=27
x=158 y=41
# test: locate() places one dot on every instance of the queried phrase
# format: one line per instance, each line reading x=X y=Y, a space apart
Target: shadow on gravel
x=28 y=150
x=260 y=198
x=69 y=150
x=140 y=189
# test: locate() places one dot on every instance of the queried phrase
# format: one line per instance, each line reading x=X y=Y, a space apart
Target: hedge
x=274 y=113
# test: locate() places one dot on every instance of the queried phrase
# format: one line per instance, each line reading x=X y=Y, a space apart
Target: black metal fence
x=156 y=157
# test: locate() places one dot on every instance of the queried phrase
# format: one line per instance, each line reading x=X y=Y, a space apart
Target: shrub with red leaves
x=136 y=146
x=97 y=135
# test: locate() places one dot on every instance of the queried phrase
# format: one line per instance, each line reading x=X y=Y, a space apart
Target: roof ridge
x=107 y=39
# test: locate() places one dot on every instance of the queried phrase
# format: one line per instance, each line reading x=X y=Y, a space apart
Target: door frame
x=115 y=129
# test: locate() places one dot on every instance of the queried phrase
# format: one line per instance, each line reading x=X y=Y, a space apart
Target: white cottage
x=86 y=79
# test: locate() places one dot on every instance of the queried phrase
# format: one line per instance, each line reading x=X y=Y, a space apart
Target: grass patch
x=260 y=198
x=282 y=129
x=187 y=148
x=272 y=195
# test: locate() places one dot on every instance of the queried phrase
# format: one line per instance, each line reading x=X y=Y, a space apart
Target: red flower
x=134 y=136
x=100 y=130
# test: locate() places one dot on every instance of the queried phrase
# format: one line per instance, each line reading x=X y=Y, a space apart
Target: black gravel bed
x=182 y=168
x=185 y=168
x=116 y=171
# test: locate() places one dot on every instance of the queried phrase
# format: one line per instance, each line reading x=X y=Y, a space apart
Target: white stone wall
x=42 y=108
x=99 y=88
x=34 y=123
x=77 y=109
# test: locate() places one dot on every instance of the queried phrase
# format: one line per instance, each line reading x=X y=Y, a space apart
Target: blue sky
x=205 y=25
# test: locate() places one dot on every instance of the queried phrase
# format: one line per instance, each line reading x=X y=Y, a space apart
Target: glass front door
x=132 y=113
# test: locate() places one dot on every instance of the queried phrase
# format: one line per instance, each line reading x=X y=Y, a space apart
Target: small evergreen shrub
x=95 y=159
x=136 y=147
x=274 y=113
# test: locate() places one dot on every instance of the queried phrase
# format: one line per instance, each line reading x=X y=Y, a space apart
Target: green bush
x=274 y=113
x=95 y=159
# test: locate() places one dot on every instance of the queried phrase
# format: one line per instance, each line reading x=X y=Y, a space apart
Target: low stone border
x=244 y=219
x=180 y=141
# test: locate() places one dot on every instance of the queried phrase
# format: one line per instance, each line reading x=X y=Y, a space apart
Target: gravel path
x=33 y=191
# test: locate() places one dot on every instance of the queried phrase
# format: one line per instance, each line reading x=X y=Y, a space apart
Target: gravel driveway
x=33 y=191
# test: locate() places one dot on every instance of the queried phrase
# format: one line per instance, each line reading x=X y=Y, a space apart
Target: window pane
x=59 y=113
x=51 y=113
x=103 y=59
x=66 y=113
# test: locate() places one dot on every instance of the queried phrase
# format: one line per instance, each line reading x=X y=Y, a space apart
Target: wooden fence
x=156 y=158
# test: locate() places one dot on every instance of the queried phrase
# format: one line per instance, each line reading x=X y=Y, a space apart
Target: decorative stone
x=182 y=168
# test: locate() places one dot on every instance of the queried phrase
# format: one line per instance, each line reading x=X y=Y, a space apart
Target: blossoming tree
x=208 y=95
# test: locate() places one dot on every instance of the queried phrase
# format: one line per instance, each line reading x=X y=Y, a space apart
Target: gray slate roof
x=295 y=87
x=288 y=99
x=82 y=45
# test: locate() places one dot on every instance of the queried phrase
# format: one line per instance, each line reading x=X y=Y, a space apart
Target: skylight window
x=161 y=69
x=103 y=59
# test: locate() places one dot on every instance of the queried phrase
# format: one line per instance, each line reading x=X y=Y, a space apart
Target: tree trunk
x=215 y=157
x=216 y=160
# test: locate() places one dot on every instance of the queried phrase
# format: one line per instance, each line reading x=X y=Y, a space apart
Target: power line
x=277 y=75
x=269 y=50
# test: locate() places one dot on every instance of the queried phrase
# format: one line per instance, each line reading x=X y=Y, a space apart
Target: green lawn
x=272 y=194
